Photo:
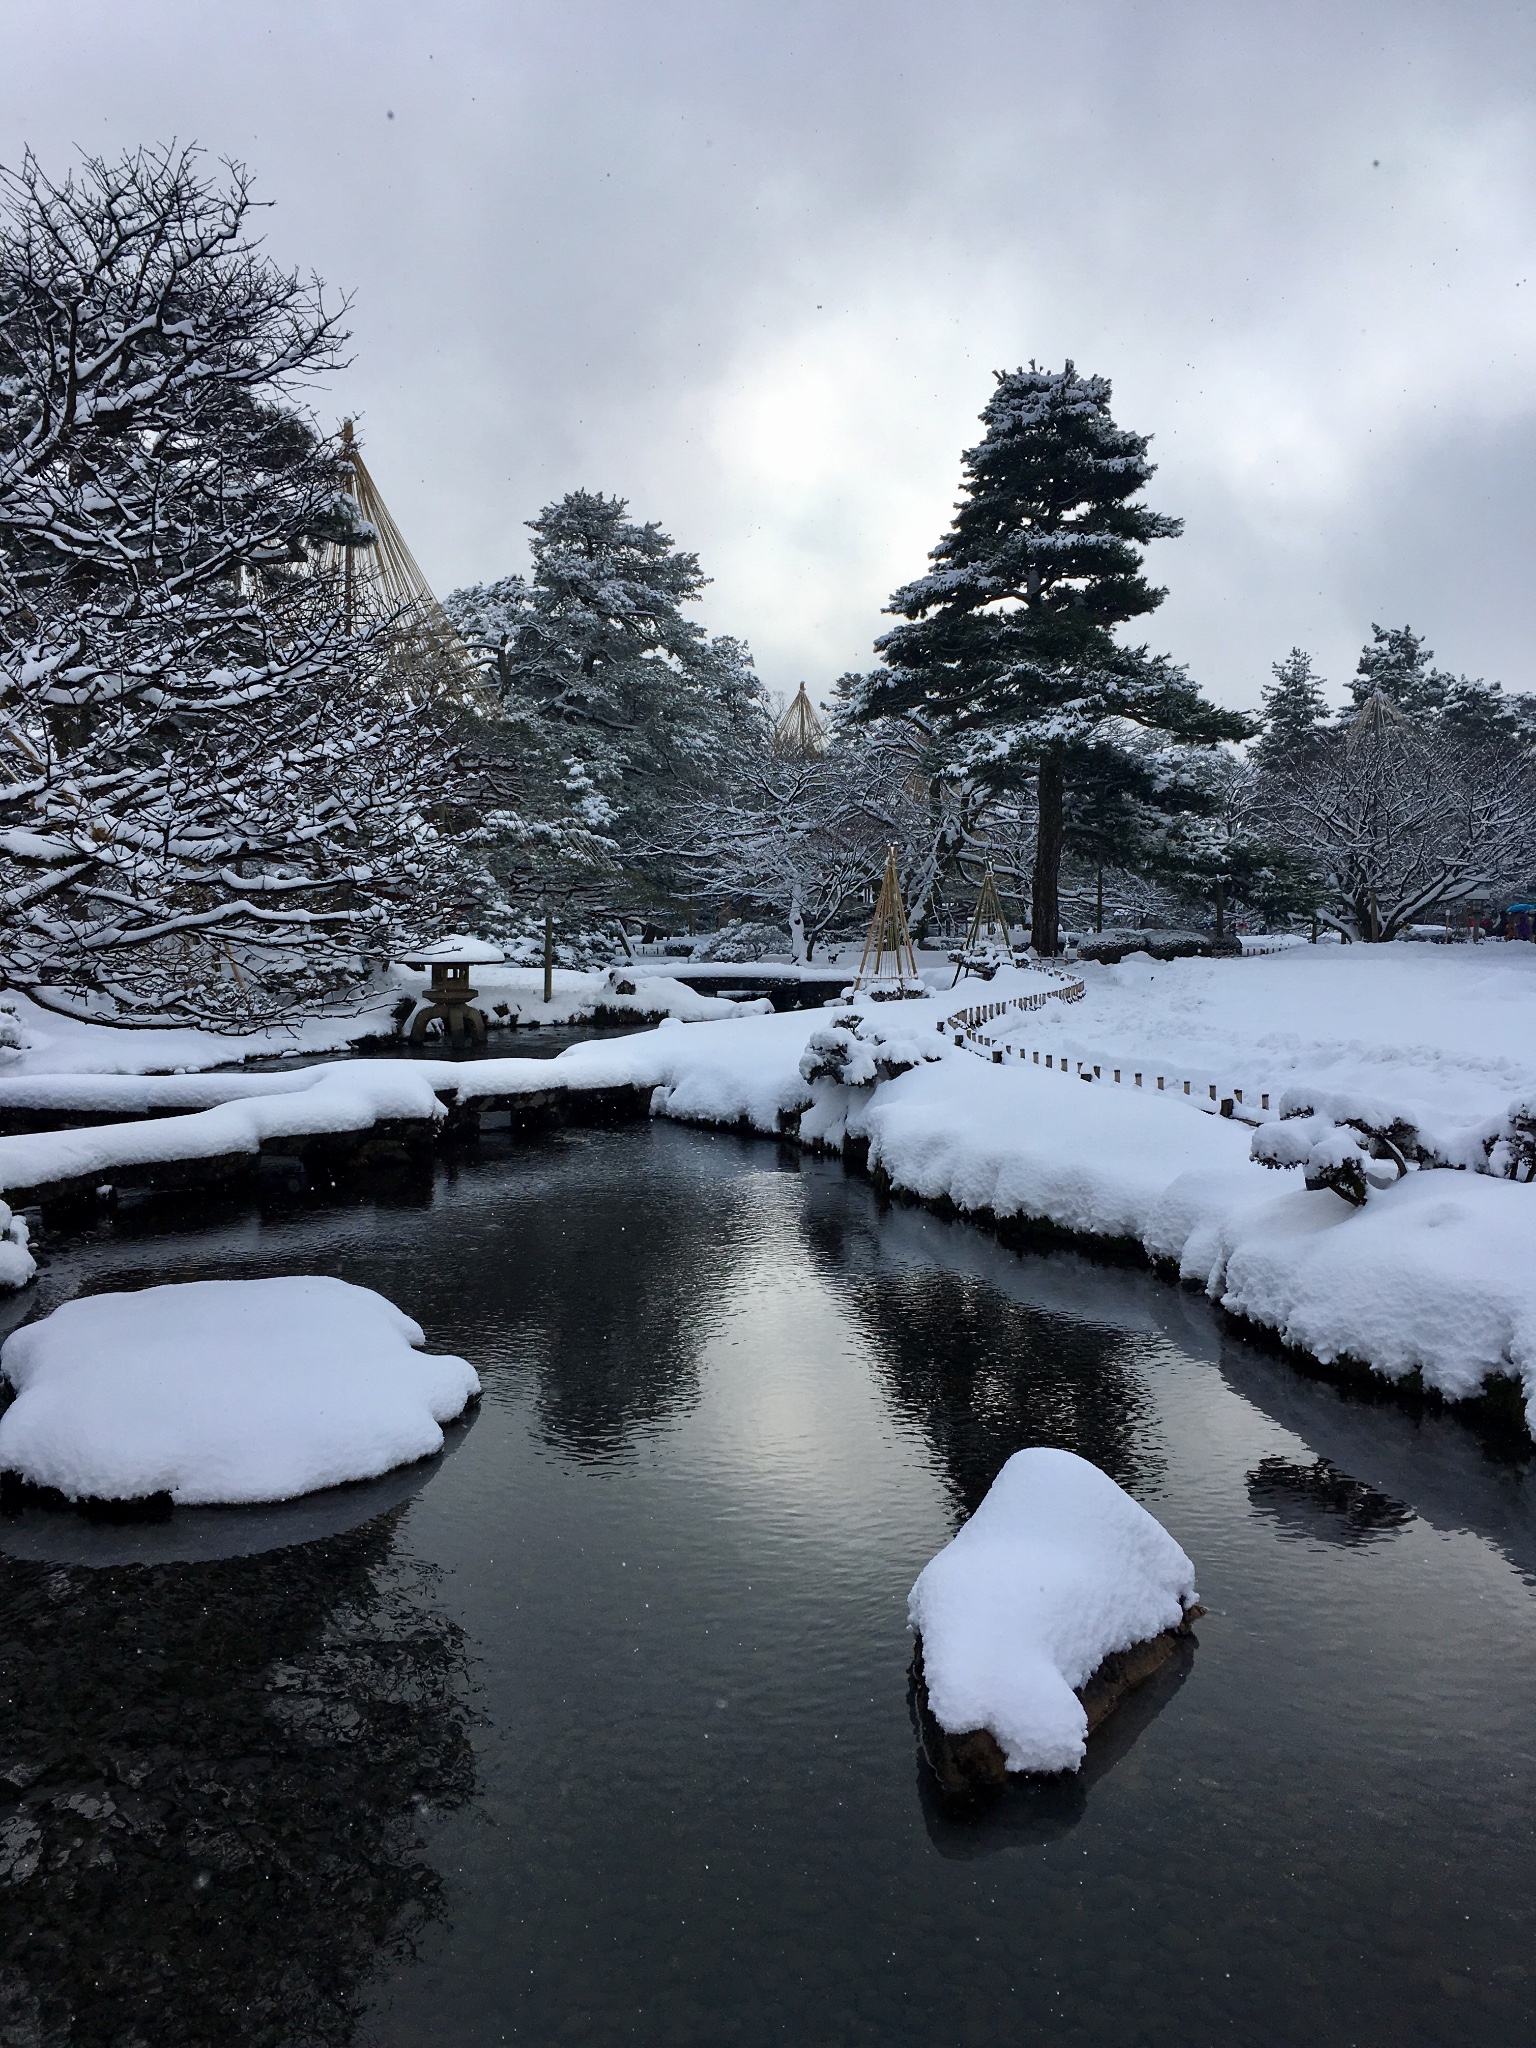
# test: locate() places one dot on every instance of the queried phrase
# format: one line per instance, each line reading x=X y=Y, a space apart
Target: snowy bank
x=51 y=1044
x=1057 y=1571
x=1432 y=1279
x=1442 y=1036
x=512 y=997
x=224 y=1391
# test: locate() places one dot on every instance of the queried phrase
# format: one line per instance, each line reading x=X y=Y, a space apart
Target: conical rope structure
x=988 y=921
x=888 y=951
x=799 y=730
x=382 y=585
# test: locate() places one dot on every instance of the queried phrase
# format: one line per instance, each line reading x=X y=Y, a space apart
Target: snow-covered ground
x=1434 y=1276
x=224 y=1391
x=1447 y=1034
x=1057 y=1569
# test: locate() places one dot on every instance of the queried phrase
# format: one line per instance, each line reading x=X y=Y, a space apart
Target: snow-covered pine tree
x=1008 y=642
x=1295 y=711
x=640 y=704
x=216 y=801
x=1396 y=664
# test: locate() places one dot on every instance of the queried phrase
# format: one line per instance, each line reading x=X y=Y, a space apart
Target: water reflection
x=620 y=1294
x=1448 y=1476
x=1042 y=1809
x=1318 y=1500
x=979 y=1372
x=211 y=1775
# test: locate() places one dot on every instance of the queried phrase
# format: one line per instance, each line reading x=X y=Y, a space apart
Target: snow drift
x=1057 y=1569
x=224 y=1391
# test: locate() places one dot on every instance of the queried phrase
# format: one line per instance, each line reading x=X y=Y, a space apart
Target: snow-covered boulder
x=224 y=1391
x=1057 y=1573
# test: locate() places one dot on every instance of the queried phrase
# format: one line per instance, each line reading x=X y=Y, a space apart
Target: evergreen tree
x=1008 y=642
x=1396 y=664
x=635 y=701
x=1295 y=711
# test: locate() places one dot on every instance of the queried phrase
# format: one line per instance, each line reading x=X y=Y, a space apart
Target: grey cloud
x=751 y=266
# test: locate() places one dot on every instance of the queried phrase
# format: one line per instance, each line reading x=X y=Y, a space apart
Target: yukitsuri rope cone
x=383 y=585
x=800 y=732
x=888 y=952
x=988 y=920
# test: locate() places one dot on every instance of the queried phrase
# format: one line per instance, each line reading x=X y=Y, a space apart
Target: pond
x=598 y=1730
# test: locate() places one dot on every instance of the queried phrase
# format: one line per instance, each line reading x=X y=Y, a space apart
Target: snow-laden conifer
x=1007 y=643
x=635 y=701
x=1295 y=711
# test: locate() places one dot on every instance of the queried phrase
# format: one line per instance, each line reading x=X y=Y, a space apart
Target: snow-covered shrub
x=1113 y=946
x=17 y=1264
x=582 y=947
x=12 y=1038
x=1511 y=1151
x=742 y=941
x=1333 y=1155
x=857 y=1052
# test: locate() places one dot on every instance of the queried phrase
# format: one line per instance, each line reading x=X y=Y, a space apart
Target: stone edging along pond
x=343 y=1126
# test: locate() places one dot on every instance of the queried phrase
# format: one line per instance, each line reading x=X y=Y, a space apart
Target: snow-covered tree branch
x=214 y=800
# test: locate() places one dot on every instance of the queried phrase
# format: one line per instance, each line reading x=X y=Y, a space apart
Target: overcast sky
x=752 y=266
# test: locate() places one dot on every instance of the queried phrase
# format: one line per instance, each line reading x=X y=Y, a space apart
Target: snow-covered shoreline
x=512 y=998
x=1431 y=1282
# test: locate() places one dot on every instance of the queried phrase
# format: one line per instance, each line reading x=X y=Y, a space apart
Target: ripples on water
x=601 y=1734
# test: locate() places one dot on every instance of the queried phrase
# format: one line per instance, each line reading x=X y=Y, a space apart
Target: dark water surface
x=601 y=1734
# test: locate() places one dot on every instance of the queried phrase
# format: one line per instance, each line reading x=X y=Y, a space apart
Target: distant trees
x=796 y=837
x=215 y=799
x=1007 y=649
x=218 y=796
x=1422 y=792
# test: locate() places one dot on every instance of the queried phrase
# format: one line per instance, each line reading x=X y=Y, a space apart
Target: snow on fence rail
x=965 y=1027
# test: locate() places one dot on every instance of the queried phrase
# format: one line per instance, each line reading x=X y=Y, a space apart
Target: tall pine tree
x=1007 y=644
x=1398 y=666
x=1295 y=711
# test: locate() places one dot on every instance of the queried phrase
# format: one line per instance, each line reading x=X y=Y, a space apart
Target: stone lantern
x=450 y=998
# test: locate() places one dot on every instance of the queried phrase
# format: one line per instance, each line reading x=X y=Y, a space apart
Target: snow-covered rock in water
x=1058 y=1571
x=224 y=1391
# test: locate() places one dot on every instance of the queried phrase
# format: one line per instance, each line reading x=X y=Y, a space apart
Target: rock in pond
x=1059 y=1596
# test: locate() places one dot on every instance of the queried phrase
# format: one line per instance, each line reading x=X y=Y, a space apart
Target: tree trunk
x=1098 y=903
x=1221 y=912
x=549 y=954
x=797 y=928
x=1045 y=891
